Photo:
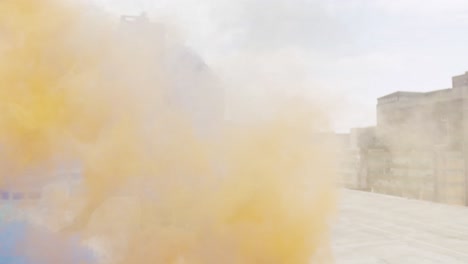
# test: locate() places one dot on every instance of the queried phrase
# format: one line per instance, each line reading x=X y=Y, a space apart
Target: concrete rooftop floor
x=374 y=228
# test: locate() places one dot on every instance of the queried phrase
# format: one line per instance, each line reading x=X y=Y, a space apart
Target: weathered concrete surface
x=374 y=228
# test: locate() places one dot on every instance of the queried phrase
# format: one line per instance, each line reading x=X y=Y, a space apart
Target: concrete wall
x=427 y=175
x=420 y=147
x=450 y=177
x=348 y=169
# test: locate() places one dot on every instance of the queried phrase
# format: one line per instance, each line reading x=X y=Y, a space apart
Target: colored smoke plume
x=165 y=179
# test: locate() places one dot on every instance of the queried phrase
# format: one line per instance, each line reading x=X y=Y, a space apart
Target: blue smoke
x=14 y=234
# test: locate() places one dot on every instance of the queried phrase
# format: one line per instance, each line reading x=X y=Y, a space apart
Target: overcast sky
x=351 y=50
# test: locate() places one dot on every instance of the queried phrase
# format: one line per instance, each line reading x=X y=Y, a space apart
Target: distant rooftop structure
x=193 y=87
x=142 y=18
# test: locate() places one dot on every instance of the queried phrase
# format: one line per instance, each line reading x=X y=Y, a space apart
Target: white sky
x=351 y=50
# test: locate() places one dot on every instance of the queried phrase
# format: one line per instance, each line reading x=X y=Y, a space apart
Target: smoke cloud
x=165 y=179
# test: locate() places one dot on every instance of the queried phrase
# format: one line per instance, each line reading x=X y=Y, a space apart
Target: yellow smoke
x=155 y=191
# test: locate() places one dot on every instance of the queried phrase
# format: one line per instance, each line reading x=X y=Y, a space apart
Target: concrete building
x=352 y=157
x=347 y=161
x=415 y=120
x=407 y=120
x=424 y=135
x=417 y=150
